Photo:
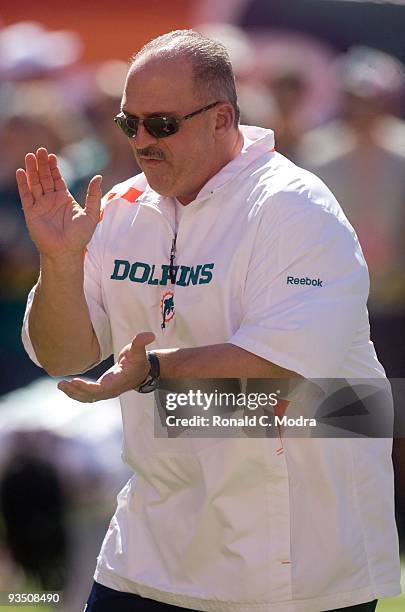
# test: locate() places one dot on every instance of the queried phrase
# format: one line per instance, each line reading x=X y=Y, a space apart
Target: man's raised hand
x=58 y=225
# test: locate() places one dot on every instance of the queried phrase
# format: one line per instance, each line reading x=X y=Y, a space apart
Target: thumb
x=93 y=197
x=140 y=341
x=137 y=351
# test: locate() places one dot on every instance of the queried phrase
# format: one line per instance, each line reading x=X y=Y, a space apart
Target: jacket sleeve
x=307 y=284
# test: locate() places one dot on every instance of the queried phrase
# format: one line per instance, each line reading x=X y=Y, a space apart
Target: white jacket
x=225 y=525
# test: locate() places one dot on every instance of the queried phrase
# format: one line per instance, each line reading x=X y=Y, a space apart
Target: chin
x=166 y=189
x=160 y=186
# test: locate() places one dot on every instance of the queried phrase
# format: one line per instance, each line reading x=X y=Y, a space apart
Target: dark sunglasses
x=159 y=126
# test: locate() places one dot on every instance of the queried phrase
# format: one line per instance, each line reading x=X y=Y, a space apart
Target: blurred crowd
x=339 y=116
x=66 y=107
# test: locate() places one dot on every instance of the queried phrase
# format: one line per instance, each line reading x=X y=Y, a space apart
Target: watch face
x=149 y=385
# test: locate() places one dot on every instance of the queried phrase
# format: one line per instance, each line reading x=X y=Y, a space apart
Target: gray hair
x=211 y=65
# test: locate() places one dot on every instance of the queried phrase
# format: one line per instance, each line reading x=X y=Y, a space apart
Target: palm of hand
x=130 y=370
x=56 y=222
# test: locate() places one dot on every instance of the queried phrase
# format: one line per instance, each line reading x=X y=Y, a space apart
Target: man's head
x=372 y=83
x=177 y=74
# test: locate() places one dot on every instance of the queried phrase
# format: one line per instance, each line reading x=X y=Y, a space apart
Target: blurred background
x=326 y=75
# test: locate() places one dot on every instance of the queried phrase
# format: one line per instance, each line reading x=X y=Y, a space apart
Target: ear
x=225 y=118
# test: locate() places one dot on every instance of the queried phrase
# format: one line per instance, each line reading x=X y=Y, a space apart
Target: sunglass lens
x=127 y=124
x=160 y=127
x=132 y=125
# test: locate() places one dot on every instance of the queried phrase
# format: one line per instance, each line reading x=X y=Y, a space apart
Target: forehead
x=159 y=85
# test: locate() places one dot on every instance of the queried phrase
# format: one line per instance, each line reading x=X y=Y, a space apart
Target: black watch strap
x=151 y=381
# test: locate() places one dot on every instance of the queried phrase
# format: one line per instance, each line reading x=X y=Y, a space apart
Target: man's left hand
x=129 y=371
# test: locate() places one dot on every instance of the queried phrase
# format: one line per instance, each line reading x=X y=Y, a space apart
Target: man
x=223 y=230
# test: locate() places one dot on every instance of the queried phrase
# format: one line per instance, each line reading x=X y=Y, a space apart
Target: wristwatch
x=151 y=381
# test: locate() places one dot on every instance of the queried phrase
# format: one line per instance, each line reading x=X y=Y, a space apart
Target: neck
x=232 y=151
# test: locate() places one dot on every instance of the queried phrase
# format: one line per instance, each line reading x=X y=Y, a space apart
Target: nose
x=143 y=139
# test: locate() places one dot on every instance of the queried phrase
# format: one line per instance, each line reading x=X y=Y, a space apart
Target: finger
x=89 y=386
x=82 y=390
x=93 y=197
x=33 y=176
x=102 y=389
x=27 y=200
x=44 y=170
x=68 y=390
x=58 y=179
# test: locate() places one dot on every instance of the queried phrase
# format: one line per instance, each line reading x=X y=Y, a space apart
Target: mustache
x=150 y=153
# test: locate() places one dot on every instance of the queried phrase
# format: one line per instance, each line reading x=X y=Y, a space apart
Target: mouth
x=150 y=161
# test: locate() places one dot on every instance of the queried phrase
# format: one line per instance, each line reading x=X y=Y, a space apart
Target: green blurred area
x=393 y=604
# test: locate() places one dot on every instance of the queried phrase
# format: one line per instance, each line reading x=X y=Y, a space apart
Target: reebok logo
x=295 y=280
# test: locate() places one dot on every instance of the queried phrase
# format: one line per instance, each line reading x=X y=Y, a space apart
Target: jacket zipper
x=172 y=258
x=172 y=273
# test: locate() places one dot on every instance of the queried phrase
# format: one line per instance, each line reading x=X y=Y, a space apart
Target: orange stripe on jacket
x=131 y=196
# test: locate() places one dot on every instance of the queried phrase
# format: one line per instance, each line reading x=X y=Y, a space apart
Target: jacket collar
x=257 y=142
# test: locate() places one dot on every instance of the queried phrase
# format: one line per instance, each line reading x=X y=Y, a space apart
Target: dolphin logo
x=167 y=308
